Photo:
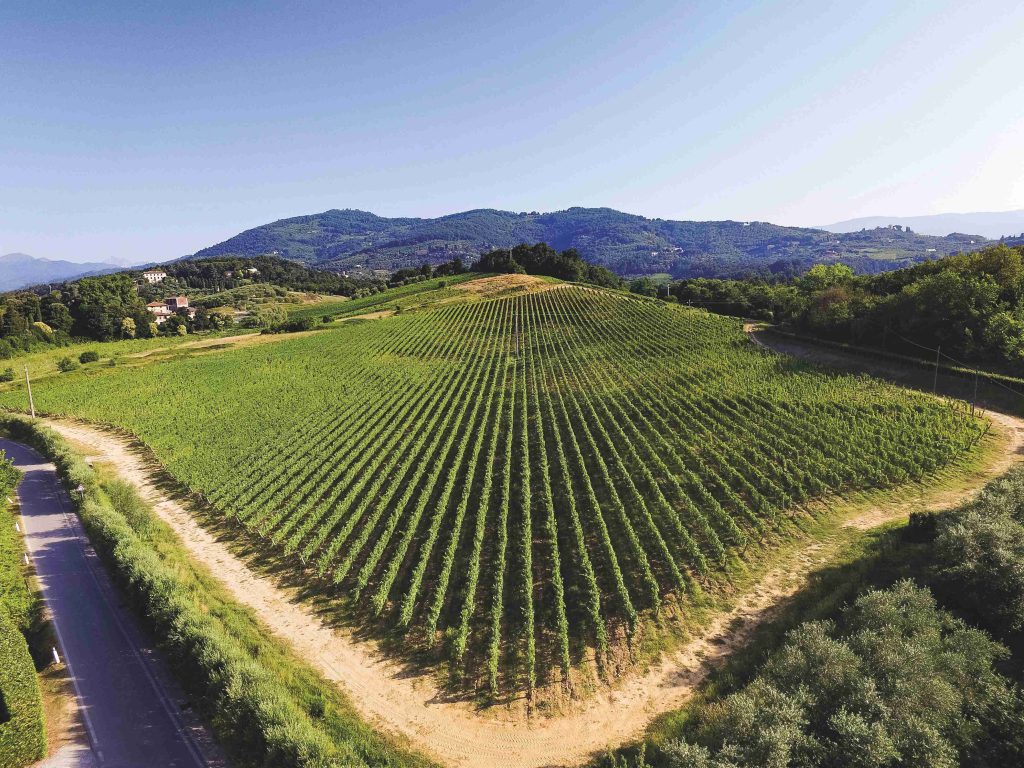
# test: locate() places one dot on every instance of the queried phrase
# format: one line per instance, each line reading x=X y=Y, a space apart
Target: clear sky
x=144 y=131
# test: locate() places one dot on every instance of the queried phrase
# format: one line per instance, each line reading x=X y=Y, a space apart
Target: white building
x=160 y=311
x=152 y=276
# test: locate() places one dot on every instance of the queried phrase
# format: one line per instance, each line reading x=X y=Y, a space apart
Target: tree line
x=110 y=307
x=972 y=305
x=542 y=259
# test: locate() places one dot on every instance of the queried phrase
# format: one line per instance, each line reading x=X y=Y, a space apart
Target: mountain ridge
x=989 y=224
x=628 y=244
x=20 y=270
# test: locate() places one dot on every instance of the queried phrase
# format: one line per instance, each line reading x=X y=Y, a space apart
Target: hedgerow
x=22 y=735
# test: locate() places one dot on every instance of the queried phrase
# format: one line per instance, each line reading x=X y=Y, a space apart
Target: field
x=515 y=484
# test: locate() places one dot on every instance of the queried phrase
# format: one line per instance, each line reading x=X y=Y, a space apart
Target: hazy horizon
x=135 y=134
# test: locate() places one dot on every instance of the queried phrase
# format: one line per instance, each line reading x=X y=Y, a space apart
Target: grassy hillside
x=625 y=243
x=511 y=482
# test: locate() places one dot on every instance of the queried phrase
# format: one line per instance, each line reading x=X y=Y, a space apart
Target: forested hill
x=624 y=243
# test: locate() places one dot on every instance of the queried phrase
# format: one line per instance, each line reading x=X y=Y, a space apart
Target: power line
x=960 y=363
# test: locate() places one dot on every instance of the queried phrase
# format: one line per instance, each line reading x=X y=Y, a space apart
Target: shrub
x=979 y=556
x=7 y=374
x=22 y=738
x=292 y=326
x=66 y=365
x=16 y=599
x=42 y=331
x=898 y=682
x=89 y=356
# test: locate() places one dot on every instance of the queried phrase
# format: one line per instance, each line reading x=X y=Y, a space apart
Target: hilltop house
x=153 y=276
x=161 y=310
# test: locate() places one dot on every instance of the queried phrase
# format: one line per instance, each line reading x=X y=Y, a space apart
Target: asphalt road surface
x=128 y=706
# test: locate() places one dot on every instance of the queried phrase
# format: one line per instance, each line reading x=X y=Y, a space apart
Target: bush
x=899 y=682
x=7 y=374
x=66 y=365
x=16 y=599
x=22 y=736
x=89 y=356
x=292 y=326
x=42 y=331
x=979 y=556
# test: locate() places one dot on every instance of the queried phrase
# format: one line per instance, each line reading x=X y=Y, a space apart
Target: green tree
x=57 y=316
x=100 y=304
x=822 y=276
x=897 y=683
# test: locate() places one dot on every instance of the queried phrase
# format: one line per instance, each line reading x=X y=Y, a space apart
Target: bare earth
x=238 y=340
x=370 y=315
x=455 y=733
x=487 y=287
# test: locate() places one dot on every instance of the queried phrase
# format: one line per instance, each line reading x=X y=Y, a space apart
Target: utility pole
x=31 y=403
x=935 y=381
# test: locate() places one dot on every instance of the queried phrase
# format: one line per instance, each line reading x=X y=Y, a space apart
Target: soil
x=409 y=703
x=60 y=709
x=239 y=340
x=379 y=314
x=488 y=287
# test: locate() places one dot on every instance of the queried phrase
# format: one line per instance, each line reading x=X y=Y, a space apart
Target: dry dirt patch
x=489 y=287
x=239 y=340
x=378 y=315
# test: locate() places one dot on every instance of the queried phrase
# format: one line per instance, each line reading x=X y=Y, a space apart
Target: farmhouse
x=161 y=310
x=153 y=276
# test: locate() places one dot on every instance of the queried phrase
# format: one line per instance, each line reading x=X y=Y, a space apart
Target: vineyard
x=515 y=483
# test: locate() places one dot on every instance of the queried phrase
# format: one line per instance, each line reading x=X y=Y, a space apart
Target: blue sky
x=144 y=131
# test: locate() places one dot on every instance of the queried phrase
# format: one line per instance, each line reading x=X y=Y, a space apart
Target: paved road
x=131 y=719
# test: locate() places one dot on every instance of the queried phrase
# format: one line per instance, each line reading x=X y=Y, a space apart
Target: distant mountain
x=19 y=270
x=625 y=243
x=992 y=225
